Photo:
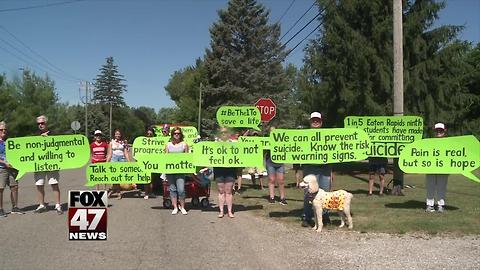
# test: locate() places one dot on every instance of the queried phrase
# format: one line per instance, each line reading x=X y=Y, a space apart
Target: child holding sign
x=436 y=183
x=7 y=175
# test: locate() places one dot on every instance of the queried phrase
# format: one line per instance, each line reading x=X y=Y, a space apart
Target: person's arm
x=186 y=148
x=166 y=147
x=109 y=152
x=126 y=153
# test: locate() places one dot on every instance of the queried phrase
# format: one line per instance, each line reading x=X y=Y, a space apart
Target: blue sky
x=148 y=39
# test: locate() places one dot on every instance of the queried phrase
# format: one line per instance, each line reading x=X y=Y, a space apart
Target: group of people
x=117 y=150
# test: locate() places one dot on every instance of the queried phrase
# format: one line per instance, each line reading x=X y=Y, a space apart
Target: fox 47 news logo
x=87 y=215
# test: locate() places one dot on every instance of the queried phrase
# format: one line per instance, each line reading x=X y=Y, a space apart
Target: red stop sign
x=267 y=108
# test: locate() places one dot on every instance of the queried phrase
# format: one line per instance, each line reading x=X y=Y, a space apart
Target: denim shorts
x=280 y=168
x=116 y=158
x=225 y=179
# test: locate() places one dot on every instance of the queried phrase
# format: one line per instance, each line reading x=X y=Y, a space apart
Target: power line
x=297 y=21
x=315 y=29
x=27 y=62
x=37 y=54
x=285 y=12
x=40 y=64
x=40 y=6
x=298 y=32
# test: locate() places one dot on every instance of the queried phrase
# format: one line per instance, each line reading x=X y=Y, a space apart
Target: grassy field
x=390 y=214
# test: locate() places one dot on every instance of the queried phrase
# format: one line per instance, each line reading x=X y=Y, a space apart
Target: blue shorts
x=272 y=169
x=225 y=179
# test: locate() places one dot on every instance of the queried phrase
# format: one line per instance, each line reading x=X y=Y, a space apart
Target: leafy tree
x=348 y=67
x=244 y=61
x=167 y=115
x=109 y=87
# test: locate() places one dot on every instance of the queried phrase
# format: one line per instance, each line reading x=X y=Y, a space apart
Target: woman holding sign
x=276 y=174
x=117 y=152
x=436 y=183
x=225 y=178
x=177 y=181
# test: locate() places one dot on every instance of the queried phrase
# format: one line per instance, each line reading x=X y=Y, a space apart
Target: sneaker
x=40 y=209
x=59 y=210
x=429 y=209
x=305 y=223
x=441 y=209
x=184 y=212
x=145 y=197
x=2 y=213
x=175 y=211
x=271 y=200
x=283 y=202
x=16 y=210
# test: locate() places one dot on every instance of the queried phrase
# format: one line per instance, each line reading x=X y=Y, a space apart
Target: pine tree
x=109 y=87
x=349 y=69
x=244 y=62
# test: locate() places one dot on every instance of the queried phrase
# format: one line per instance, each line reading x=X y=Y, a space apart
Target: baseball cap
x=97 y=132
x=316 y=115
x=439 y=126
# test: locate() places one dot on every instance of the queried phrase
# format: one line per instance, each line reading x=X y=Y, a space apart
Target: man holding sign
x=51 y=176
x=324 y=176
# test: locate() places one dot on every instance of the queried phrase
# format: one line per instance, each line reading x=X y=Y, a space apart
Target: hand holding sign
x=318 y=146
x=450 y=155
x=233 y=116
x=39 y=153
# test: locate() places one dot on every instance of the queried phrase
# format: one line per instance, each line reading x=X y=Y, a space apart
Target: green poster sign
x=168 y=163
x=263 y=142
x=318 y=146
x=388 y=134
x=450 y=155
x=116 y=173
x=47 y=153
x=228 y=154
x=239 y=116
x=149 y=146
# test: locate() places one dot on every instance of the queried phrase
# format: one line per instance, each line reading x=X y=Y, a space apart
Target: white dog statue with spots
x=337 y=200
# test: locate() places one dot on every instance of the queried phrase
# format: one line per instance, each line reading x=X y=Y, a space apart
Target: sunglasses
x=177 y=133
x=41 y=123
x=3 y=129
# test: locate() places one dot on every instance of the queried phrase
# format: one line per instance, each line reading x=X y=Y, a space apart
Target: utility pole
x=85 y=84
x=397 y=84
x=200 y=109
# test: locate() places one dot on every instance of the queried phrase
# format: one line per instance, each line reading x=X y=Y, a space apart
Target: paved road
x=142 y=235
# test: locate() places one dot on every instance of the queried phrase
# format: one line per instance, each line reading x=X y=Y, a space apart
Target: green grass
x=389 y=214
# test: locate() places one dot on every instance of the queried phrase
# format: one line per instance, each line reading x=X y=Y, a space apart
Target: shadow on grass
x=413 y=204
x=236 y=208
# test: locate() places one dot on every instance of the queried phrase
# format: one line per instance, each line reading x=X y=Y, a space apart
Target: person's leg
x=173 y=192
x=371 y=176
x=56 y=193
x=281 y=184
x=442 y=181
x=41 y=194
x=180 y=182
x=430 y=180
x=229 y=198
x=271 y=185
x=14 y=196
x=221 y=197
x=382 y=183
x=298 y=175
